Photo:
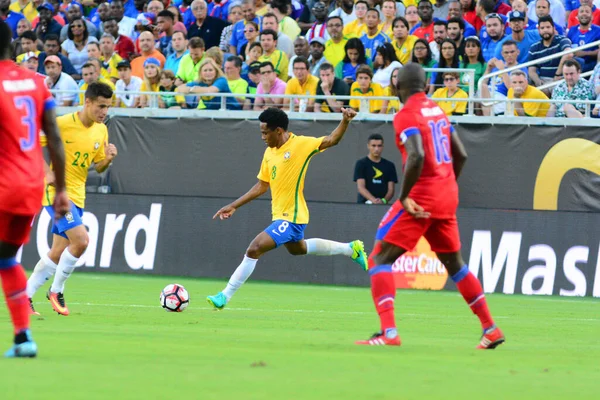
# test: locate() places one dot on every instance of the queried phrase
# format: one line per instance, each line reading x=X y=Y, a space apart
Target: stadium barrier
x=520 y=252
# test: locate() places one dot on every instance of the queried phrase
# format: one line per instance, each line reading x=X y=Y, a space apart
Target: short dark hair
x=326 y=66
x=166 y=13
x=52 y=37
x=510 y=43
x=95 y=44
x=267 y=64
x=458 y=21
x=401 y=19
x=335 y=17
x=110 y=18
x=373 y=9
x=440 y=22
x=98 y=89
x=572 y=63
x=488 y=5
x=274 y=118
x=269 y=32
x=270 y=15
x=5 y=39
x=237 y=62
x=362 y=2
x=301 y=60
x=375 y=136
x=88 y=65
x=364 y=69
x=196 y=43
x=29 y=35
x=545 y=18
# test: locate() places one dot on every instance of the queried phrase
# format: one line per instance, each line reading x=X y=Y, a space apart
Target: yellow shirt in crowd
x=375 y=90
x=532 y=109
x=280 y=63
x=404 y=52
x=451 y=107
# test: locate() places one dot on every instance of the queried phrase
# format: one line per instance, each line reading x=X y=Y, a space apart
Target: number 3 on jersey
x=441 y=144
x=26 y=104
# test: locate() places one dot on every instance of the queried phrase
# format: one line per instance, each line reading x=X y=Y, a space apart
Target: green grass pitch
x=283 y=341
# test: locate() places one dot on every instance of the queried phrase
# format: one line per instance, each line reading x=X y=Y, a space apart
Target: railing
x=554 y=83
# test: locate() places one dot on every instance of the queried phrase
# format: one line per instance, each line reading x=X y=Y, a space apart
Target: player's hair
x=326 y=67
x=572 y=63
x=403 y=20
x=301 y=60
x=510 y=43
x=5 y=40
x=98 y=89
x=52 y=37
x=196 y=43
x=440 y=22
x=459 y=21
x=364 y=69
x=274 y=118
x=355 y=44
x=545 y=18
x=269 y=32
x=29 y=35
x=267 y=64
x=375 y=136
x=167 y=14
x=237 y=62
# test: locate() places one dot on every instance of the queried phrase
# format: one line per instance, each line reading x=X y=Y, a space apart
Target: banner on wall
x=420 y=269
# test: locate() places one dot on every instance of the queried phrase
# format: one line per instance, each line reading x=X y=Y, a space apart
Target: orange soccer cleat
x=57 y=300
x=380 y=339
x=32 y=309
x=491 y=339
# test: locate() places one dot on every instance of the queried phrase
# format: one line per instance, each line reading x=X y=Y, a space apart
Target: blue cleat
x=218 y=301
x=25 y=349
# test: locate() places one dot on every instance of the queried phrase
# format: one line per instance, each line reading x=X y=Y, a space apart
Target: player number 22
x=441 y=144
x=27 y=104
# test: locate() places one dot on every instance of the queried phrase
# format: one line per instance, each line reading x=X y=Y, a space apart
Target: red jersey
x=23 y=99
x=424 y=32
x=436 y=189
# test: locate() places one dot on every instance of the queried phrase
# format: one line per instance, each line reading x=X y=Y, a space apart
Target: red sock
x=471 y=290
x=383 y=290
x=14 y=283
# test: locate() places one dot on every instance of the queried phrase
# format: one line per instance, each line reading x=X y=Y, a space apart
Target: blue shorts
x=283 y=232
x=71 y=220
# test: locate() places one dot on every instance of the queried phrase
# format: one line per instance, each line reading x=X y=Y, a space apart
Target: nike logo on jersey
x=69 y=142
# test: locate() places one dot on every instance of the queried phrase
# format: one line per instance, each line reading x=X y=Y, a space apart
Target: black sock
x=21 y=337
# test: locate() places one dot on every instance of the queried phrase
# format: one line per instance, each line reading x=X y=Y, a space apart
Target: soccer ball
x=174 y=298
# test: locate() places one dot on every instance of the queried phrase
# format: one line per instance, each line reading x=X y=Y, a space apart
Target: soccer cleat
x=25 y=349
x=218 y=301
x=379 y=339
x=57 y=300
x=32 y=309
x=359 y=255
x=491 y=339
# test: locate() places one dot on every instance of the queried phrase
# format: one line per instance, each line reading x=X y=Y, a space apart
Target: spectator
x=574 y=14
x=207 y=27
x=373 y=38
x=319 y=27
x=585 y=33
x=451 y=91
x=456 y=30
x=151 y=82
x=385 y=63
x=126 y=24
x=473 y=59
x=354 y=58
x=75 y=48
x=307 y=18
x=288 y=25
x=494 y=26
x=47 y=25
x=210 y=80
x=551 y=43
x=74 y=14
x=261 y=7
x=167 y=85
x=441 y=9
x=90 y=73
x=557 y=12
x=23 y=25
x=30 y=62
x=237 y=37
x=403 y=42
x=189 y=66
x=268 y=41
x=455 y=11
x=499 y=91
x=422 y=55
x=485 y=8
x=269 y=85
x=146 y=22
x=25 y=8
x=303 y=83
x=334 y=47
x=364 y=87
x=51 y=48
x=345 y=12
x=470 y=15
x=179 y=44
x=216 y=54
x=448 y=59
x=235 y=15
x=255 y=52
x=301 y=48
x=524 y=38
x=391 y=106
x=165 y=21
x=11 y=17
x=251 y=34
x=101 y=14
x=440 y=33
x=219 y=9
x=284 y=43
x=521 y=90
x=126 y=84
x=59 y=81
x=253 y=79
x=424 y=29
x=375 y=176
x=93 y=51
x=388 y=8
x=148 y=51
x=109 y=58
x=574 y=87
x=57 y=14
x=316 y=59
x=330 y=85
x=233 y=68
x=412 y=16
x=154 y=7
x=123 y=45
x=28 y=44
x=542 y=9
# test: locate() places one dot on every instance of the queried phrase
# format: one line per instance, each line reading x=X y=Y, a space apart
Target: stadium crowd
x=310 y=47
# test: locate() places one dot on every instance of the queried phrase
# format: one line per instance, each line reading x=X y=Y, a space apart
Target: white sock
x=324 y=247
x=240 y=275
x=43 y=271
x=66 y=266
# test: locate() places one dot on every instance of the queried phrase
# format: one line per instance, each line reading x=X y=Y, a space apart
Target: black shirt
x=376 y=176
x=339 y=88
x=210 y=31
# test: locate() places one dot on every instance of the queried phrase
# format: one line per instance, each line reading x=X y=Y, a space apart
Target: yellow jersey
x=83 y=146
x=404 y=52
x=29 y=11
x=109 y=69
x=356 y=28
x=284 y=169
x=532 y=109
x=335 y=52
x=375 y=90
x=451 y=107
x=280 y=63
x=393 y=105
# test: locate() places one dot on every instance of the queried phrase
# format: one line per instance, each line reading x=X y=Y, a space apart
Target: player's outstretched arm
x=336 y=136
x=257 y=190
x=412 y=172
x=57 y=156
x=459 y=154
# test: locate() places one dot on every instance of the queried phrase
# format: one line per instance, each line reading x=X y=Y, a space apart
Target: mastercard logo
x=420 y=269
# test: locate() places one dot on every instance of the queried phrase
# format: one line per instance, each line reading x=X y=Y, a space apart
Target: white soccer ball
x=174 y=298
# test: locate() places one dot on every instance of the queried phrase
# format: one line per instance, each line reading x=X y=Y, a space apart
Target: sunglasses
x=493 y=15
x=449 y=79
x=249 y=30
